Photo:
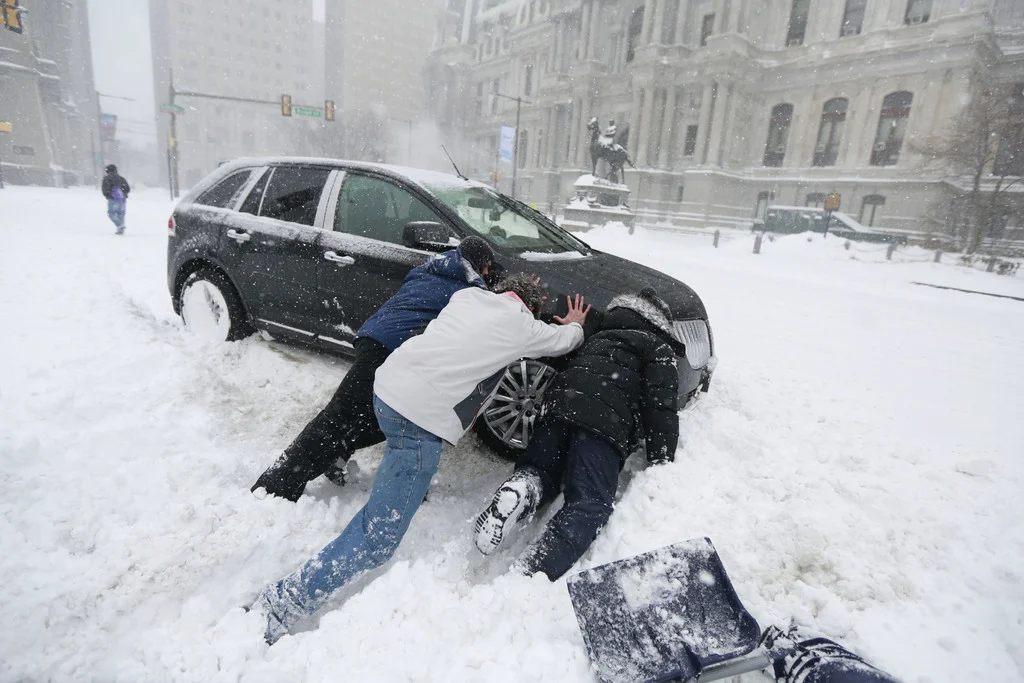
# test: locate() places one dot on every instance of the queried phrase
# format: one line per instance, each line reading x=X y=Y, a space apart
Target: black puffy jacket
x=112 y=180
x=624 y=379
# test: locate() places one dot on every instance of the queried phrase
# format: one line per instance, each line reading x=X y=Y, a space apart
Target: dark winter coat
x=424 y=293
x=112 y=180
x=624 y=380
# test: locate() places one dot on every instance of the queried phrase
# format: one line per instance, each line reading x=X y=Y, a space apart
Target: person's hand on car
x=577 y=313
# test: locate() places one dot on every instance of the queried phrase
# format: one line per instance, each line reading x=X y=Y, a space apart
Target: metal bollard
x=757 y=244
x=991 y=264
x=717 y=235
x=889 y=251
x=846 y=245
x=938 y=256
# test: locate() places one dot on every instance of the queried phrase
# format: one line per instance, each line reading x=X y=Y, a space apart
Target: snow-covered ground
x=858 y=464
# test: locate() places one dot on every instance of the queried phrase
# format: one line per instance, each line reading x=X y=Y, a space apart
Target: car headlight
x=694 y=334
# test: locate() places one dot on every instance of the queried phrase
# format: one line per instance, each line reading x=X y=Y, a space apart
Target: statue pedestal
x=597 y=202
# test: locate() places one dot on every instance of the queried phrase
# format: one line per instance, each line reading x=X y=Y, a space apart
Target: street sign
x=172 y=108
x=108 y=126
x=832 y=201
x=6 y=127
x=307 y=111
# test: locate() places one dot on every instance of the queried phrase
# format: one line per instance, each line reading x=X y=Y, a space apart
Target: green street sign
x=175 y=108
x=308 y=111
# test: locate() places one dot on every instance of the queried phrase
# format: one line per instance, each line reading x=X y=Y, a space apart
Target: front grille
x=694 y=334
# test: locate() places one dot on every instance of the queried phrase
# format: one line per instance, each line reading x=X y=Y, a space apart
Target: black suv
x=304 y=250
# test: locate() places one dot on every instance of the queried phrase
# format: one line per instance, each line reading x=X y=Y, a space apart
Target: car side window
x=374 y=208
x=293 y=194
x=252 y=202
x=223 y=194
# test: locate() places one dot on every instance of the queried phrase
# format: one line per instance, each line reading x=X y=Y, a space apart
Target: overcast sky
x=123 y=66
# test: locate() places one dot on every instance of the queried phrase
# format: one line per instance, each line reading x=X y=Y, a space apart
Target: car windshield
x=506 y=222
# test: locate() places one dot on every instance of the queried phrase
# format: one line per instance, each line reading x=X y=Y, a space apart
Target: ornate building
x=732 y=104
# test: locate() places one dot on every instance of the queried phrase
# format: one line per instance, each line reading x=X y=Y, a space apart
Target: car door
x=363 y=261
x=272 y=246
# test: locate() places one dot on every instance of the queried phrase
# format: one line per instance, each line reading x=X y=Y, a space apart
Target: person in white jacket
x=428 y=391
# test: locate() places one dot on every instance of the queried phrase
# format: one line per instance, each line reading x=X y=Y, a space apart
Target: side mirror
x=428 y=235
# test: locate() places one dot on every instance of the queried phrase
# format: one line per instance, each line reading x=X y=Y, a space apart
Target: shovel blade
x=667 y=614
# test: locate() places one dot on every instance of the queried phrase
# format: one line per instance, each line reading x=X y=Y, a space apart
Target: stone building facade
x=732 y=104
x=47 y=94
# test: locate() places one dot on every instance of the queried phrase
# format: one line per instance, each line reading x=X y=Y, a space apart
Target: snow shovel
x=670 y=614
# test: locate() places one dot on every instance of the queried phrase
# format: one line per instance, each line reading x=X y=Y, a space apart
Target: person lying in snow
x=428 y=391
x=347 y=423
x=623 y=380
x=801 y=657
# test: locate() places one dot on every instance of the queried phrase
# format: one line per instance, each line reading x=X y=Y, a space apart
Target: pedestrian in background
x=115 y=189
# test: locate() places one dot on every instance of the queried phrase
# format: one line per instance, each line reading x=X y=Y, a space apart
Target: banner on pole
x=508 y=135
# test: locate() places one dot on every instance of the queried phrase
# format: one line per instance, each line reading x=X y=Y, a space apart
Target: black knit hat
x=649 y=295
x=476 y=250
x=111 y=168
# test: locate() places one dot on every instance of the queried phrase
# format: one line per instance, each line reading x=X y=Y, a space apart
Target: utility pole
x=515 y=137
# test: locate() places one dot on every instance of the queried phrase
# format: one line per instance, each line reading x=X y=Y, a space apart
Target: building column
x=592 y=40
x=557 y=51
x=574 y=136
x=659 y=20
x=645 y=127
x=585 y=29
x=734 y=16
x=704 y=122
x=684 y=10
x=645 y=33
x=583 y=151
x=717 y=132
x=667 y=125
x=634 y=122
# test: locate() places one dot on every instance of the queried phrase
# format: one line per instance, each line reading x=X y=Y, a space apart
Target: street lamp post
x=515 y=137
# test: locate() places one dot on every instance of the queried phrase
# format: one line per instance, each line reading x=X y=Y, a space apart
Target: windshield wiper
x=537 y=215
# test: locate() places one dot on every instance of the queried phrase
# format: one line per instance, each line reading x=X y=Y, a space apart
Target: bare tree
x=985 y=144
x=360 y=136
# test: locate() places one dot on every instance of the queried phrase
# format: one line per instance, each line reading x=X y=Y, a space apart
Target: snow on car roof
x=421 y=176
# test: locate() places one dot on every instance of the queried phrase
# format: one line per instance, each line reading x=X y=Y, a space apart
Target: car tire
x=507 y=423
x=211 y=308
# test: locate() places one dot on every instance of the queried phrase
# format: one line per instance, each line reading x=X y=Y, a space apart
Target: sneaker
x=275 y=628
x=119 y=231
x=515 y=499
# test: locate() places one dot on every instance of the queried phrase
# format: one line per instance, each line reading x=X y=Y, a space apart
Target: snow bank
x=857 y=464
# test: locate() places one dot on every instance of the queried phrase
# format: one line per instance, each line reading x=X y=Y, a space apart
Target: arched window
x=778 y=133
x=918 y=11
x=833 y=118
x=815 y=199
x=522 y=145
x=636 y=25
x=853 y=17
x=869 y=209
x=797 y=22
x=892 y=124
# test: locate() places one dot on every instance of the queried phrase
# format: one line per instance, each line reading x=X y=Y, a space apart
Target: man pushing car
x=428 y=391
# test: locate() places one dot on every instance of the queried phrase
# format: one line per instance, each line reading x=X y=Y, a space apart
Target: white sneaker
x=515 y=499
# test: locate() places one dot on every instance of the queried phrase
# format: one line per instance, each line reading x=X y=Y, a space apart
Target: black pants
x=586 y=468
x=345 y=425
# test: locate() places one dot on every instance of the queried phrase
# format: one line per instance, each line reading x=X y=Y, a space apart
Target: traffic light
x=286 y=105
x=329 y=110
x=12 y=15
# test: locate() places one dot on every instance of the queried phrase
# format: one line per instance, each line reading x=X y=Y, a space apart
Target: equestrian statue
x=610 y=146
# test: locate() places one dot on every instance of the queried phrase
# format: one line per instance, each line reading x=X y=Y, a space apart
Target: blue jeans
x=115 y=211
x=371 y=538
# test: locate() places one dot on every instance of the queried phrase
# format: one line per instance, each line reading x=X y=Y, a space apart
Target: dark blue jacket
x=424 y=293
